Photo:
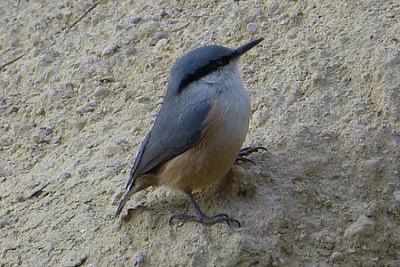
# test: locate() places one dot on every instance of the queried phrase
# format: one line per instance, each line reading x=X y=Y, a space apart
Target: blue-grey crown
x=201 y=62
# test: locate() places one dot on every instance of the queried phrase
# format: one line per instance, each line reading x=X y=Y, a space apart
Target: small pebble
x=40 y=111
x=114 y=149
x=107 y=79
x=324 y=252
x=45 y=60
x=130 y=52
x=292 y=35
x=162 y=43
x=302 y=52
x=129 y=94
x=329 y=242
x=251 y=27
x=101 y=92
x=56 y=140
x=48 y=131
x=336 y=256
x=109 y=50
x=19 y=197
x=79 y=124
x=317 y=76
x=84 y=232
x=121 y=85
x=84 y=109
x=142 y=99
x=394 y=60
x=74 y=258
x=134 y=20
x=14 y=109
x=396 y=195
x=83 y=171
x=64 y=176
x=163 y=14
x=118 y=27
x=156 y=37
x=3 y=101
x=40 y=138
x=160 y=35
x=138 y=259
x=296 y=13
x=363 y=226
x=375 y=209
x=6 y=141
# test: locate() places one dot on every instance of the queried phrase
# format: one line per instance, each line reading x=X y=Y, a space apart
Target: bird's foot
x=202 y=218
x=244 y=152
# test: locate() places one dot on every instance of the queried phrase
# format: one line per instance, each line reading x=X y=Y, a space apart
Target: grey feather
x=123 y=202
x=178 y=126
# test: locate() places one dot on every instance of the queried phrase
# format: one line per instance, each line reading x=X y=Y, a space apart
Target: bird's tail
x=123 y=201
x=138 y=186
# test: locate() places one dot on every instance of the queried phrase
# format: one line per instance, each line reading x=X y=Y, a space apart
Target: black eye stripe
x=200 y=62
x=202 y=71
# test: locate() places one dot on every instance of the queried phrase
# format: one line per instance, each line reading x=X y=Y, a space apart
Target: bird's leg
x=201 y=217
x=244 y=152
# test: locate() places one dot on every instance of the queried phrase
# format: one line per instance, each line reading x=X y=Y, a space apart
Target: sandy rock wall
x=81 y=95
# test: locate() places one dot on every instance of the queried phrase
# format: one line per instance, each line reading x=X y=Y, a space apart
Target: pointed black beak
x=246 y=47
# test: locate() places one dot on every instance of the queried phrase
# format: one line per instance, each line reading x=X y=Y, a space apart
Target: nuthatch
x=198 y=134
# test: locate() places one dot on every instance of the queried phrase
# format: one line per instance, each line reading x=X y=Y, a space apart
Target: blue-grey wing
x=178 y=126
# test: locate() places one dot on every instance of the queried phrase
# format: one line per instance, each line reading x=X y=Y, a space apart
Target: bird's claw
x=203 y=219
x=243 y=159
x=247 y=151
x=226 y=219
x=180 y=217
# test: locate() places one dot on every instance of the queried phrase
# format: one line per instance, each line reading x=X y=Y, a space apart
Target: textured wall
x=73 y=110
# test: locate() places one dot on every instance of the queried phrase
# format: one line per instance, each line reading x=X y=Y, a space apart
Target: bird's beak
x=246 y=47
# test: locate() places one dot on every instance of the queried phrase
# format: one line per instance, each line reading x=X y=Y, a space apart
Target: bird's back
x=179 y=123
x=220 y=142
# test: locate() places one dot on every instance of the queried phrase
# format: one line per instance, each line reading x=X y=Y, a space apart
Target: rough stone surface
x=397 y=196
x=363 y=227
x=325 y=101
x=336 y=256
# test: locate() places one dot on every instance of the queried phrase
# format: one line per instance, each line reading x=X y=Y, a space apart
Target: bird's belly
x=211 y=159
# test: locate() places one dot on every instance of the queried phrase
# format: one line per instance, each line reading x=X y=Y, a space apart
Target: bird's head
x=203 y=61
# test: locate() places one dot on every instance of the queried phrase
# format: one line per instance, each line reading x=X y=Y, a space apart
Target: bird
x=199 y=131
